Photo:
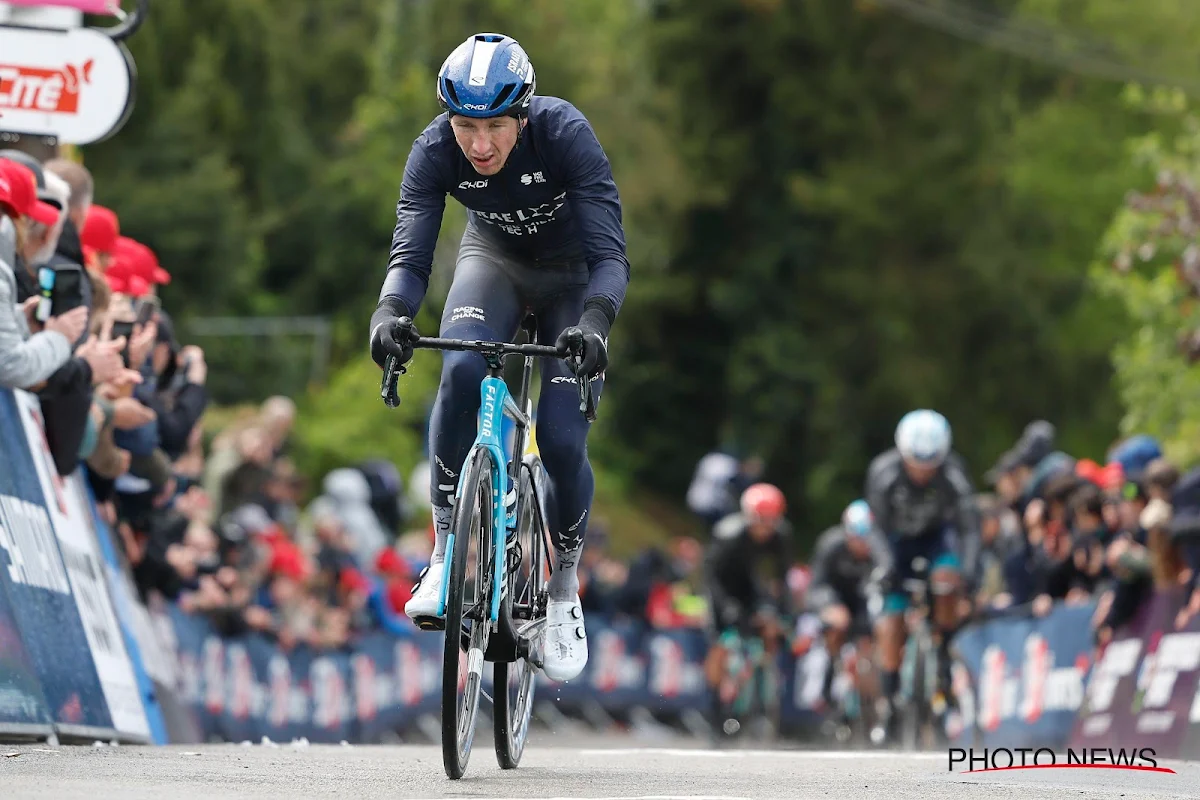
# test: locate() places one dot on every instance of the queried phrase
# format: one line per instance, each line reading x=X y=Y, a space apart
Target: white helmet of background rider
x=923 y=438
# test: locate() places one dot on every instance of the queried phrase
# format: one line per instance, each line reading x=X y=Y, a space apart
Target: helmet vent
x=502 y=98
x=452 y=95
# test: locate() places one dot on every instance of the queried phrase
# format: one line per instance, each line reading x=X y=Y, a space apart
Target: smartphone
x=68 y=291
x=60 y=291
x=125 y=329
x=147 y=308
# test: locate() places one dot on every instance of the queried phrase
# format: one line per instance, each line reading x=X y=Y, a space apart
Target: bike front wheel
x=467 y=604
x=525 y=602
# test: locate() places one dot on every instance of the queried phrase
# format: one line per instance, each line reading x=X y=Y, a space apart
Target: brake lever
x=587 y=400
x=391 y=375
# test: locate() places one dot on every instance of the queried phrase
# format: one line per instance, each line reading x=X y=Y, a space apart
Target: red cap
x=353 y=581
x=141 y=259
x=100 y=230
x=288 y=560
x=389 y=562
x=123 y=279
x=18 y=189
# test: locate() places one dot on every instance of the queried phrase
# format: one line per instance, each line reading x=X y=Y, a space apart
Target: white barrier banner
x=69 y=515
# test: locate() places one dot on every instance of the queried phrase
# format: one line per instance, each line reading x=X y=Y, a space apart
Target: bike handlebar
x=573 y=354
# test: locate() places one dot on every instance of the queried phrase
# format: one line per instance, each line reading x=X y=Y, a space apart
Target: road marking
x=800 y=754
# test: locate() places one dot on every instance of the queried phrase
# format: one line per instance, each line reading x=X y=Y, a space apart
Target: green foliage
x=1150 y=260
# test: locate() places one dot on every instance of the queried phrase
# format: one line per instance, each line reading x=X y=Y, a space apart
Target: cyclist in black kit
x=544 y=235
x=745 y=571
x=923 y=502
x=848 y=558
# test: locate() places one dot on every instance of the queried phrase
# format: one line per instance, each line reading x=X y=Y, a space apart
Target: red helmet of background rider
x=763 y=503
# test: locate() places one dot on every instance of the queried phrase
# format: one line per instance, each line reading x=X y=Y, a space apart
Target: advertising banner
x=1019 y=679
x=39 y=589
x=1143 y=690
x=71 y=518
x=76 y=85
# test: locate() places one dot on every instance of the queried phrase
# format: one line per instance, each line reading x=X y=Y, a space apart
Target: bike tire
x=473 y=520
x=913 y=720
x=527 y=582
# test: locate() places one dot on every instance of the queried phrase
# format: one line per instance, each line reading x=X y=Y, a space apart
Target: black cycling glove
x=593 y=328
x=392 y=336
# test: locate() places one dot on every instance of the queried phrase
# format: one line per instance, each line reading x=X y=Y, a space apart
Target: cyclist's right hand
x=393 y=336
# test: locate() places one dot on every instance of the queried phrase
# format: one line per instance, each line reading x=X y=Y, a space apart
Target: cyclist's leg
x=482 y=304
x=835 y=624
x=946 y=571
x=890 y=630
x=562 y=441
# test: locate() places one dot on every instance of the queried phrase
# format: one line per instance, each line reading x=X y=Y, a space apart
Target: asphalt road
x=554 y=766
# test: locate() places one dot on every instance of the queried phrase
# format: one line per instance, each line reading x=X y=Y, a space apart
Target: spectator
x=348 y=490
x=27 y=360
x=717 y=484
x=1013 y=472
x=278 y=415
x=1001 y=538
x=98 y=236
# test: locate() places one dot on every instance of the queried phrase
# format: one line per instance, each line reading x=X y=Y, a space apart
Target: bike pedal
x=430 y=623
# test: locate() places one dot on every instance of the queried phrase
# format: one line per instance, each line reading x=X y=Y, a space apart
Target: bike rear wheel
x=467 y=603
x=525 y=601
x=914 y=677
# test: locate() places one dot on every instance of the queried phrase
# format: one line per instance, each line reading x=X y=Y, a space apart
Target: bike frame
x=495 y=403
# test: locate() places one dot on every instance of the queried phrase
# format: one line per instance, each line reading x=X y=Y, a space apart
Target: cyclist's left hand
x=594 y=358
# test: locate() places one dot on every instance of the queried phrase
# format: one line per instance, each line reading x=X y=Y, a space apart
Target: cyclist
x=745 y=570
x=923 y=502
x=848 y=558
x=543 y=235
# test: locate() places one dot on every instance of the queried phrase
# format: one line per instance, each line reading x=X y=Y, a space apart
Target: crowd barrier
x=1145 y=689
x=1019 y=679
x=245 y=687
x=1031 y=682
x=82 y=657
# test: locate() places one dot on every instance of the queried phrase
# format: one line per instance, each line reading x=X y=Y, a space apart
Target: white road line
x=637 y=797
x=798 y=754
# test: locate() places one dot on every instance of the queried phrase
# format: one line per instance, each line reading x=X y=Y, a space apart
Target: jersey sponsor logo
x=467 y=312
x=562 y=379
x=473 y=185
x=525 y=220
x=531 y=177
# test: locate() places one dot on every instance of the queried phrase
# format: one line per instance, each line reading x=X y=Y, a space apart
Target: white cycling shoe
x=422 y=607
x=566 y=651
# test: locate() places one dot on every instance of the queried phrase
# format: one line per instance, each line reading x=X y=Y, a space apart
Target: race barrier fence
x=82 y=657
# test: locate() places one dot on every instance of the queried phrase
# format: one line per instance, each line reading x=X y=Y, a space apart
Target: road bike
x=498 y=557
x=748 y=691
x=923 y=700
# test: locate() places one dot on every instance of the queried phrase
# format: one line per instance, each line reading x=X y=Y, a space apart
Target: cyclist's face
x=762 y=529
x=920 y=474
x=486 y=142
x=858 y=546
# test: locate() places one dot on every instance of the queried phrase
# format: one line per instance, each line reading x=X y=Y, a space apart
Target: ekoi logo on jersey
x=526 y=220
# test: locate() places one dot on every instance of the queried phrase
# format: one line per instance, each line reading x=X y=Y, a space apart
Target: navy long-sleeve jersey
x=554 y=203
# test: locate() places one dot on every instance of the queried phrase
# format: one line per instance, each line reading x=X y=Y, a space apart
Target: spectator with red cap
x=101 y=229
x=28 y=359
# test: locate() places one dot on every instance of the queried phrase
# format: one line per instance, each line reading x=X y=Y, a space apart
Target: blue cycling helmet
x=488 y=75
x=857 y=518
x=923 y=437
